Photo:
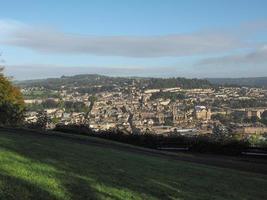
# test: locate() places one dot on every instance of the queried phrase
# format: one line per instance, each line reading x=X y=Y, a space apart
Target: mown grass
x=45 y=167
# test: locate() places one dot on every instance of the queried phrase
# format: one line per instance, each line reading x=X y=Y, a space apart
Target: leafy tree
x=42 y=120
x=178 y=82
x=264 y=121
x=168 y=122
x=71 y=106
x=168 y=95
x=264 y=115
x=220 y=132
x=12 y=105
x=92 y=100
x=50 y=103
x=253 y=119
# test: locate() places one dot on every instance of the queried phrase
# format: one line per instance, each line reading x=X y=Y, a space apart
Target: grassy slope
x=41 y=167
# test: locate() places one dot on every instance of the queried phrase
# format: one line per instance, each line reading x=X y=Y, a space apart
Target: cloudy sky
x=161 y=38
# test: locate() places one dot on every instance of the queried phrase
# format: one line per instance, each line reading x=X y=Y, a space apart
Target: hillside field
x=35 y=166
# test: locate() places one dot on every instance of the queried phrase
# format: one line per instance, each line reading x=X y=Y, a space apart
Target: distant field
x=46 y=167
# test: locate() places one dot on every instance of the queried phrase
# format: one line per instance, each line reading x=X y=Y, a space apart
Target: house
x=202 y=113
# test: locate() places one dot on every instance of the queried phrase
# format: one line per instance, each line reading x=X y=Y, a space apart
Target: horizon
x=133 y=99
x=129 y=76
x=144 y=39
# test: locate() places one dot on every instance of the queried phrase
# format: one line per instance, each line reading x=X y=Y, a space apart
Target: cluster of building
x=136 y=112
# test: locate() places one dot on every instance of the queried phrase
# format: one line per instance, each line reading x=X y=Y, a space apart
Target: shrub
x=12 y=105
x=201 y=144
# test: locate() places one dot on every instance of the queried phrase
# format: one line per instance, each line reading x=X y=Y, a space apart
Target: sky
x=159 y=38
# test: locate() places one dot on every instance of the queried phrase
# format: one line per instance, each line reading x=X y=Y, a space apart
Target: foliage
x=168 y=121
x=257 y=140
x=34 y=107
x=219 y=117
x=236 y=117
x=42 y=121
x=252 y=82
x=168 y=95
x=11 y=113
x=74 y=128
x=50 y=103
x=92 y=83
x=264 y=121
x=40 y=94
x=219 y=144
x=71 y=106
x=92 y=100
x=253 y=119
x=264 y=115
x=11 y=103
x=264 y=118
x=46 y=104
x=247 y=103
x=55 y=120
x=94 y=90
x=220 y=132
x=178 y=82
x=241 y=103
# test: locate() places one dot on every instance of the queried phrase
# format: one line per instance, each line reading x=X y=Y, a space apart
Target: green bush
x=200 y=144
x=12 y=105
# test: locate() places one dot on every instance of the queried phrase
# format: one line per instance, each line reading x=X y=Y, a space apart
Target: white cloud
x=48 y=40
x=258 y=56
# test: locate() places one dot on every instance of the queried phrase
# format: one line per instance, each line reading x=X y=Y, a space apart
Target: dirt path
x=241 y=163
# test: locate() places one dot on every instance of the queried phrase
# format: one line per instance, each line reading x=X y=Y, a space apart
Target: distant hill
x=89 y=80
x=108 y=82
x=252 y=82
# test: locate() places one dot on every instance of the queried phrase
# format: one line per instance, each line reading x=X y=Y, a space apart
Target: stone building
x=202 y=113
x=256 y=112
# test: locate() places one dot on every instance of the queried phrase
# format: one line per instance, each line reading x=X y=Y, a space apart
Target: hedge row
x=201 y=144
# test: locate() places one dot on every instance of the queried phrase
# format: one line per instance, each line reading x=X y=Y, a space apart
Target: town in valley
x=148 y=105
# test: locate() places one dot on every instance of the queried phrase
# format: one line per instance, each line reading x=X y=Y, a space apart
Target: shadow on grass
x=86 y=172
x=85 y=175
x=11 y=186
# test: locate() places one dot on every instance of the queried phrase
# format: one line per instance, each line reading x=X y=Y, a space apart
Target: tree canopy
x=11 y=102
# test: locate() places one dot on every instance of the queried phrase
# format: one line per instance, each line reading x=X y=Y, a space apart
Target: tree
x=50 y=103
x=12 y=105
x=253 y=119
x=42 y=120
x=71 y=106
x=220 y=132
x=264 y=117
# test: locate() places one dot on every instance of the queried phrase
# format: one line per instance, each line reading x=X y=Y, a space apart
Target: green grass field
x=45 y=167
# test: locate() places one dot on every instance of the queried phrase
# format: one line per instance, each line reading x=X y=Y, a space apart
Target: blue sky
x=134 y=38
